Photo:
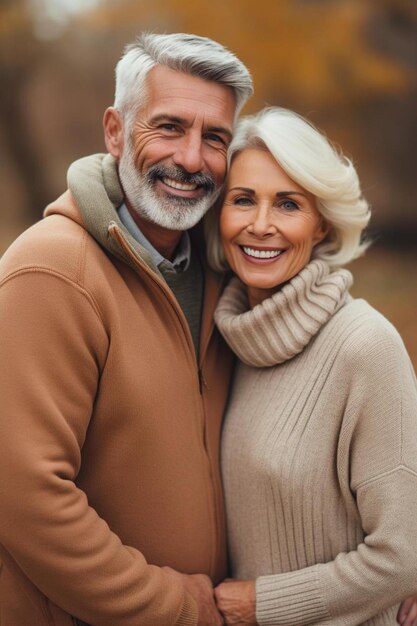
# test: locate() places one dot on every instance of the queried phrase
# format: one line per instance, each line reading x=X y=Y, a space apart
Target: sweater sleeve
x=376 y=464
x=53 y=345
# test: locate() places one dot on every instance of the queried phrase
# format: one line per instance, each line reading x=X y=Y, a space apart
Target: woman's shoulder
x=367 y=335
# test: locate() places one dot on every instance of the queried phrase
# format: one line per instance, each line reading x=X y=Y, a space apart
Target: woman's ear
x=113 y=132
x=323 y=229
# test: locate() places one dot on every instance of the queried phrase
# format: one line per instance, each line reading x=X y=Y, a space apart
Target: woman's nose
x=262 y=224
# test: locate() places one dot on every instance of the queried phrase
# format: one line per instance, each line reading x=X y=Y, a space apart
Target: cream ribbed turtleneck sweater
x=319 y=454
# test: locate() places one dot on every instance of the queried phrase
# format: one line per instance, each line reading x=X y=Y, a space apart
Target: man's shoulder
x=56 y=244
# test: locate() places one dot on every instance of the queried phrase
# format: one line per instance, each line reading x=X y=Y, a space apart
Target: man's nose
x=189 y=153
x=262 y=224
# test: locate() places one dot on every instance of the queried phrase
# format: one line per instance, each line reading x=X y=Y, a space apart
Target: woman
x=319 y=450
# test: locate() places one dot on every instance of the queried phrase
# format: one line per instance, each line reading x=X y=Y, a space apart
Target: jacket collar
x=93 y=197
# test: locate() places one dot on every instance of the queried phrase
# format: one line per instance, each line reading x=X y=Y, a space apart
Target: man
x=112 y=377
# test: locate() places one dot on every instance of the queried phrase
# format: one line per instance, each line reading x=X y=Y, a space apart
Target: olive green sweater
x=319 y=454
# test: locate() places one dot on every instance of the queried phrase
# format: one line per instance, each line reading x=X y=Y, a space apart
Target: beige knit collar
x=282 y=325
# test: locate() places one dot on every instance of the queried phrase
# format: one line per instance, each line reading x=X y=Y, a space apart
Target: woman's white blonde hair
x=311 y=161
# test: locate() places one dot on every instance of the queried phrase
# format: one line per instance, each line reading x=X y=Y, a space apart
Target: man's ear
x=113 y=132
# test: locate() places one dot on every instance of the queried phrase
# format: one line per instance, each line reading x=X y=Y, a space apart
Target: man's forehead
x=178 y=93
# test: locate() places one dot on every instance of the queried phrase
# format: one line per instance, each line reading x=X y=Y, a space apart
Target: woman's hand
x=236 y=601
x=407 y=613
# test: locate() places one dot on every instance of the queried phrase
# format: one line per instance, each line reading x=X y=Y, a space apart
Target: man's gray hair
x=190 y=54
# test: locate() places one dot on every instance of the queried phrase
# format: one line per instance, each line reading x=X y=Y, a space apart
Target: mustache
x=206 y=181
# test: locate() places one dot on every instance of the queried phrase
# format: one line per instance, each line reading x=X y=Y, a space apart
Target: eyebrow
x=279 y=194
x=165 y=117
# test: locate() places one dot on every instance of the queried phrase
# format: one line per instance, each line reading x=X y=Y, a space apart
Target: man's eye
x=169 y=127
x=215 y=138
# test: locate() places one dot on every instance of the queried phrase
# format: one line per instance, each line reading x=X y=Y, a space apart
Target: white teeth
x=261 y=254
x=177 y=185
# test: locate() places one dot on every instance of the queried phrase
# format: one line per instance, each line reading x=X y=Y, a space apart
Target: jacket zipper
x=137 y=261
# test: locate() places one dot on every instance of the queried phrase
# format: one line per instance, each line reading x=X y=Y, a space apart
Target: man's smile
x=175 y=184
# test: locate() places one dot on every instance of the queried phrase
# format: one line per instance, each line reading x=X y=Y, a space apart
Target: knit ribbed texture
x=319 y=455
x=296 y=313
x=293 y=602
x=188 y=287
x=189 y=613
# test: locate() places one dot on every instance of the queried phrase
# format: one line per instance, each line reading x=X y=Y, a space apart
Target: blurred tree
x=349 y=65
x=390 y=123
x=298 y=50
x=19 y=55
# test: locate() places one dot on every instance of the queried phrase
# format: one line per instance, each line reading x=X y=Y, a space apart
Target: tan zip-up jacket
x=109 y=428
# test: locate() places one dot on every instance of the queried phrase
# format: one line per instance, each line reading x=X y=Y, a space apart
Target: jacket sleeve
x=52 y=345
x=377 y=457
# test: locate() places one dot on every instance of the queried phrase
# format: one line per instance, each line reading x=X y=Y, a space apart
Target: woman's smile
x=269 y=224
x=261 y=255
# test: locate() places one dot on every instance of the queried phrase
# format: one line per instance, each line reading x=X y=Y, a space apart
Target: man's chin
x=182 y=222
x=170 y=211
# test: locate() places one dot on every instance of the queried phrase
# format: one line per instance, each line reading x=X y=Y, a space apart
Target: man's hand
x=407 y=614
x=236 y=600
x=199 y=586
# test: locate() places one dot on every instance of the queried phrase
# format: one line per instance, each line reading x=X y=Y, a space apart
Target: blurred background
x=348 y=65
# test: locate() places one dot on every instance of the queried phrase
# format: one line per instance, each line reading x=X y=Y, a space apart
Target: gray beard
x=170 y=212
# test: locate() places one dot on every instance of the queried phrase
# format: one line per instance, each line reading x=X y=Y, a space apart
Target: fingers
x=220 y=621
x=404 y=610
x=201 y=588
x=407 y=614
x=236 y=600
x=411 y=619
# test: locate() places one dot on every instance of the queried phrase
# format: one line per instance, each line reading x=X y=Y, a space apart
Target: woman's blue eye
x=243 y=200
x=289 y=205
